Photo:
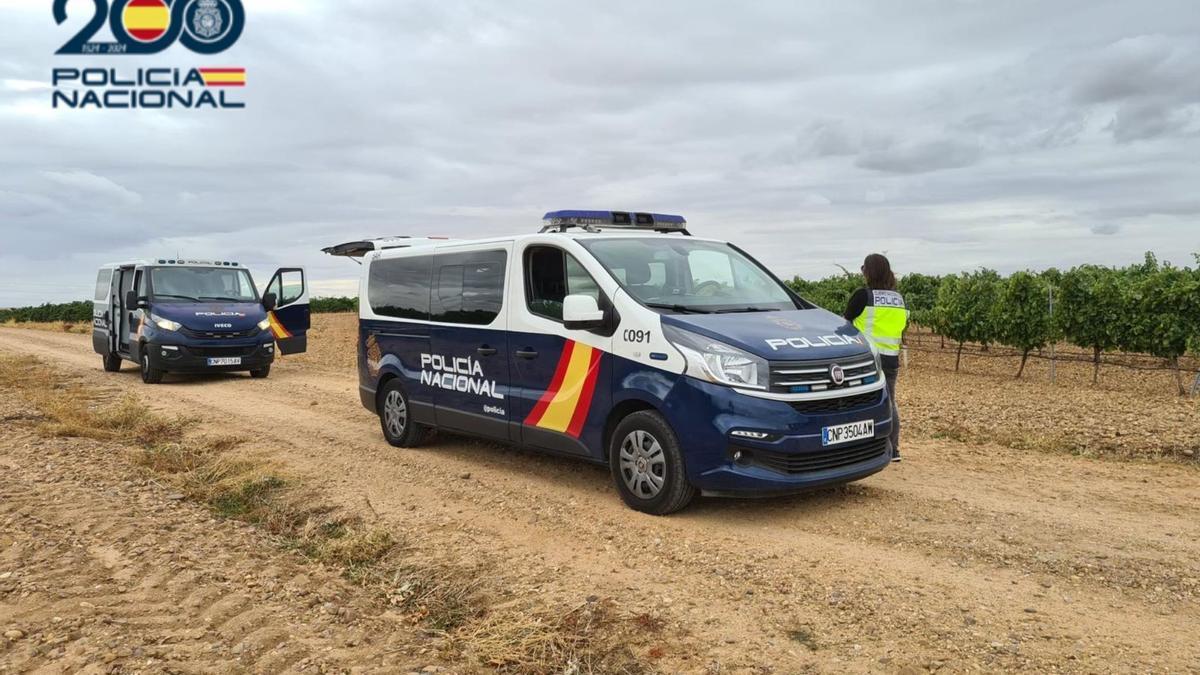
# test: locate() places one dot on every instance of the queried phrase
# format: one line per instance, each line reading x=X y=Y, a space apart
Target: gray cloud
x=918 y=157
x=952 y=134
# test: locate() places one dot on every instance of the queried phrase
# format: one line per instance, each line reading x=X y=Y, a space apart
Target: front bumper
x=194 y=358
x=790 y=459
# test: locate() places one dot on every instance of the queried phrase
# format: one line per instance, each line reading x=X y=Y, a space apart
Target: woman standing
x=878 y=311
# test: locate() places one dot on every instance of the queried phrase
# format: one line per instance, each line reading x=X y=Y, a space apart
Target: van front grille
x=796 y=377
x=219 y=335
x=822 y=460
x=837 y=405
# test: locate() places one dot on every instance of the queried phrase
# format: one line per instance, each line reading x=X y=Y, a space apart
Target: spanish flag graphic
x=146 y=20
x=223 y=77
x=565 y=405
x=277 y=328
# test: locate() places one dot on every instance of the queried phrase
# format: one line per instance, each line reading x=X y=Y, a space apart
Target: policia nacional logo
x=142 y=27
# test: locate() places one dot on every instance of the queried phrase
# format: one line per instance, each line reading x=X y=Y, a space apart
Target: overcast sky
x=950 y=134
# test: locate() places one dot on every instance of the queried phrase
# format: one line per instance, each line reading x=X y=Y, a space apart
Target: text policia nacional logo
x=144 y=27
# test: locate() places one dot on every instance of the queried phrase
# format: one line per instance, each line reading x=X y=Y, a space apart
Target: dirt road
x=962 y=558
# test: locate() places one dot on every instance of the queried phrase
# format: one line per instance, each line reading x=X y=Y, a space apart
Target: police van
x=193 y=316
x=680 y=362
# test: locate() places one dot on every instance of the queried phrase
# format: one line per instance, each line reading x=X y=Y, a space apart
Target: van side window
x=140 y=284
x=468 y=287
x=399 y=287
x=103 y=284
x=552 y=274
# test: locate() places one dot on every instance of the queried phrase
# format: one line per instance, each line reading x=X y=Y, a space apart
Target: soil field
x=1001 y=543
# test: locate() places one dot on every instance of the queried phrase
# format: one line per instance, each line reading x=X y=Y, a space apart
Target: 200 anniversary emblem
x=142 y=27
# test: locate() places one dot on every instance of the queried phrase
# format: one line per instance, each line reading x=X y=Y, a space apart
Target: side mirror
x=580 y=312
x=132 y=301
x=268 y=302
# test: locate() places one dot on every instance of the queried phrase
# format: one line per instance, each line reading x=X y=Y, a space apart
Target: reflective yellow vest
x=884 y=320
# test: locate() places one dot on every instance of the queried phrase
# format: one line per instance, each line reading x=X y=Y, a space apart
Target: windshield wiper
x=739 y=310
x=181 y=297
x=217 y=297
x=678 y=308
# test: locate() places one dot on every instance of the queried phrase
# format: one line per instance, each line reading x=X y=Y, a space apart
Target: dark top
x=857 y=305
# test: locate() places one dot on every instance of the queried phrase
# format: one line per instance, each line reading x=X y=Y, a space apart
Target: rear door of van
x=102 y=341
x=467 y=365
x=394 y=328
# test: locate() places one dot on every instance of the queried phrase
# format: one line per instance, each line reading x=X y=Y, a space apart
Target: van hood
x=779 y=336
x=204 y=316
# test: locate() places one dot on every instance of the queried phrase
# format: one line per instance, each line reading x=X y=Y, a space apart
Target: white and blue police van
x=680 y=362
x=195 y=316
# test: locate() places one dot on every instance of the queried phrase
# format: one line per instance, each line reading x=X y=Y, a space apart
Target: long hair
x=878 y=272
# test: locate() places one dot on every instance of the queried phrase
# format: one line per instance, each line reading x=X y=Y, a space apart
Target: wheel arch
x=619 y=412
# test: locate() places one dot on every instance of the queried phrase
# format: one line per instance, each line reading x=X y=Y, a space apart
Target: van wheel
x=647 y=465
x=150 y=375
x=261 y=373
x=112 y=363
x=395 y=417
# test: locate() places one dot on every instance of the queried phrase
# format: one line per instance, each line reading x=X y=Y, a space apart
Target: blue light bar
x=659 y=222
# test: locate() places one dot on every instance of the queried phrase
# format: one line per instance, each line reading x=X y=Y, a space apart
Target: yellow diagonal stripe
x=277 y=328
x=558 y=415
x=147 y=17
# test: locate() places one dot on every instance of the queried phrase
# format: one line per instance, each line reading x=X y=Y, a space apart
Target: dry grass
x=591 y=638
x=68 y=410
x=80 y=328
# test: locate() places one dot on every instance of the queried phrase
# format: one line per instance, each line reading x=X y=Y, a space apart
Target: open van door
x=289 y=314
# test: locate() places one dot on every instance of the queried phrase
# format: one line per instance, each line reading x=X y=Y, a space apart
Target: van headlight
x=715 y=361
x=264 y=324
x=165 y=324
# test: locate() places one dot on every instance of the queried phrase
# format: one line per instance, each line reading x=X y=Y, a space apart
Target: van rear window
x=103 y=285
x=399 y=287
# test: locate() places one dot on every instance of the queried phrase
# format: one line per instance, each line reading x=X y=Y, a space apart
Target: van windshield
x=202 y=284
x=684 y=275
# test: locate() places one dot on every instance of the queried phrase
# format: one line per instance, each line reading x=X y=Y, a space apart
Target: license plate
x=226 y=361
x=845 y=433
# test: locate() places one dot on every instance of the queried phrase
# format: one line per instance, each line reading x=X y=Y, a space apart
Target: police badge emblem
x=206 y=19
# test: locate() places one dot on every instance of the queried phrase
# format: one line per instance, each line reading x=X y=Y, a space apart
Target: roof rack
x=596 y=221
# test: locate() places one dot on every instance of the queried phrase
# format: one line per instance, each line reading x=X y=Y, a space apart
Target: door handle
x=485 y=350
x=527 y=353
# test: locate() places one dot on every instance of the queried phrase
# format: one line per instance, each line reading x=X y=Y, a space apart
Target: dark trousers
x=892 y=374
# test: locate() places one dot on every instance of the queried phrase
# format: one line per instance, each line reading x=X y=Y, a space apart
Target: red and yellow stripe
x=223 y=77
x=277 y=328
x=564 y=406
x=146 y=20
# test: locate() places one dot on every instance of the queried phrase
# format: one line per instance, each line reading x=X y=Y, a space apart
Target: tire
x=261 y=373
x=150 y=375
x=395 y=417
x=647 y=465
x=112 y=363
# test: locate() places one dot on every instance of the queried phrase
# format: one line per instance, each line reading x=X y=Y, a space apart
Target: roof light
x=620 y=220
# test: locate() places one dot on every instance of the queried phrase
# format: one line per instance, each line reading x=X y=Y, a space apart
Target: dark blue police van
x=191 y=316
x=681 y=363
